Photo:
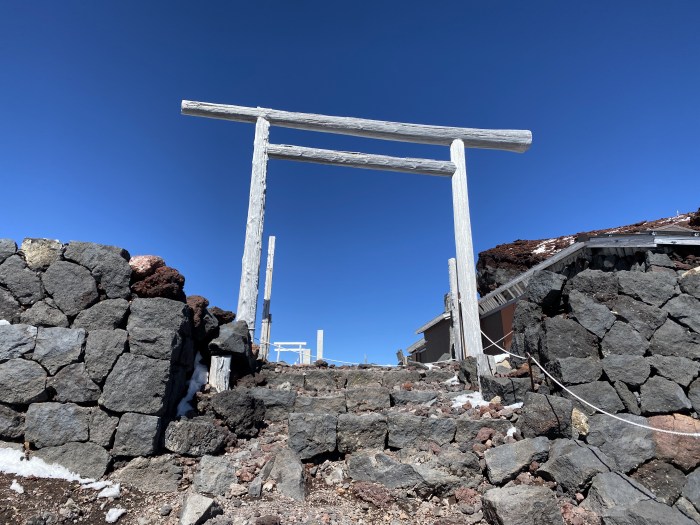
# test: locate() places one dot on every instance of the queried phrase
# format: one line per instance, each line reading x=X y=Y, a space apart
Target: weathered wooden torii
x=457 y=138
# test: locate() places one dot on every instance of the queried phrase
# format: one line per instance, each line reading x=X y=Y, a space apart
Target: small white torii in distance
x=457 y=138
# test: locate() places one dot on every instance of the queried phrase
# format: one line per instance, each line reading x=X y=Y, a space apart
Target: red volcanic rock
x=682 y=451
x=223 y=316
x=165 y=282
x=144 y=265
x=198 y=304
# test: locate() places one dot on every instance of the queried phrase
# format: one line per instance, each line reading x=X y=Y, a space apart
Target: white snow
x=12 y=462
x=2 y=322
x=199 y=378
x=111 y=491
x=473 y=397
x=514 y=406
x=451 y=381
x=511 y=432
x=114 y=514
x=500 y=358
x=97 y=485
x=19 y=489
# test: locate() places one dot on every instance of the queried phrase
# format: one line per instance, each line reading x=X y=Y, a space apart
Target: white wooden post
x=220 y=372
x=319 y=344
x=266 y=317
x=456 y=332
x=305 y=356
x=466 y=269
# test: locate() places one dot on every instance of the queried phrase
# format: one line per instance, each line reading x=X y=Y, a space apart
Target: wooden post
x=266 y=317
x=252 y=250
x=319 y=344
x=466 y=269
x=456 y=332
x=220 y=372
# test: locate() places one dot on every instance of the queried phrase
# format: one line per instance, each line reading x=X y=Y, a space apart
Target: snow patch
x=199 y=378
x=19 y=489
x=13 y=462
x=114 y=514
x=511 y=432
x=2 y=322
x=514 y=406
x=451 y=381
x=500 y=358
x=474 y=398
x=112 y=491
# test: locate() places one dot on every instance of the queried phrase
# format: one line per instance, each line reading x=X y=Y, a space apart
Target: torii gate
x=468 y=329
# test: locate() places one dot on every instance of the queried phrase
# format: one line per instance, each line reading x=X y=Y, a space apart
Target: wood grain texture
x=351 y=159
x=267 y=295
x=456 y=332
x=252 y=249
x=502 y=139
x=220 y=372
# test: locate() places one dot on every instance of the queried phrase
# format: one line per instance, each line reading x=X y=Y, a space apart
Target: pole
x=266 y=317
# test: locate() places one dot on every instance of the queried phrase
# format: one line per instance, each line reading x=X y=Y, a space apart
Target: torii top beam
x=501 y=139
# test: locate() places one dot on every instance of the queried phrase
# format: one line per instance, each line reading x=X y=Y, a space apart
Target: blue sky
x=93 y=146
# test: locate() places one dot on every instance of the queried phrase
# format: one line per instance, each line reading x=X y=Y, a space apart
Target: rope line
x=597 y=409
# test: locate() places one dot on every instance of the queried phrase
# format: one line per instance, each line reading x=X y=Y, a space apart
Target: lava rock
x=652 y=288
x=661 y=396
x=368 y=398
x=678 y=369
x=158 y=474
x=406 y=430
x=214 y=475
x=642 y=317
x=321 y=404
x=102 y=427
x=600 y=394
x=628 y=398
x=144 y=265
x=610 y=490
x=223 y=316
x=109 y=265
x=102 y=349
x=576 y=370
x=156 y=343
x=72 y=286
x=361 y=431
x=600 y=285
x=41 y=253
x=544 y=289
x=137 y=435
x=44 y=313
x=23 y=283
x=288 y=473
x=11 y=423
x=234 y=340
x=205 y=324
x=16 y=340
x=321 y=380
x=673 y=339
x=521 y=504
x=595 y=317
x=86 y=459
x=664 y=480
x=566 y=338
x=572 y=465
x=509 y=389
x=647 y=512
x=690 y=284
x=379 y=468
x=506 y=461
x=165 y=282
x=694 y=395
x=137 y=384
x=241 y=412
x=159 y=313
x=196 y=509
x=623 y=339
x=57 y=347
x=468 y=429
x=413 y=397
x=278 y=403
x=22 y=382
x=628 y=445
x=73 y=384
x=548 y=416
x=312 y=434
x=195 y=437
x=691 y=489
x=10 y=309
x=104 y=315
x=678 y=450
x=7 y=247
x=686 y=310
x=52 y=424
x=631 y=369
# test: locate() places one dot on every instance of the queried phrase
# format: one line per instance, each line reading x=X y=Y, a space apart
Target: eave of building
x=433 y=322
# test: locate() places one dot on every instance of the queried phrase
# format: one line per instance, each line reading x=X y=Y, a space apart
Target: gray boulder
x=40 y=253
x=694 y=395
x=156 y=343
x=680 y=370
x=663 y=479
x=10 y=309
x=647 y=512
x=195 y=437
x=137 y=435
x=509 y=389
x=159 y=313
x=631 y=369
x=368 y=398
x=548 y=416
x=109 y=266
x=691 y=489
x=71 y=286
x=44 y=313
x=673 y=339
x=652 y=288
x=51 y=424
x=86 y=459
x=413 y=397
x=642 y=317
x=137 y=384
x=573 y=465
x=22 y=282
x=364 y=378
x=566 y=338
x=214 y=475
x=593 y=316
x=102 y=427
x=686 y=310
x=393 y=378
x=407 y=430
x=153 y=475
x=320 y=380
x=377 y=467
x=361 y=431
x=73 y=384
x=102 y=349
x=57 y=347
x=600 y=285
x=11 y=423
x=288 y=473
x=610 y=490
x=690 y=284
x=623 y=339
x=312 y=434
x=7 y=247
x=521 y=504
x=507 y=461
x=22 y=382
x=462 y=464
x=544 y=289
x=104 y=315
x=435 y=482
x=658 y=259
x=197 y=509
x=278 y=403
x=599 y=393
x=628 y=445
x=234 y=340
x=576 y=370
x=661 y=396
x=241 y=412
x=16 y=340
x=321 y=404
x=628 y=398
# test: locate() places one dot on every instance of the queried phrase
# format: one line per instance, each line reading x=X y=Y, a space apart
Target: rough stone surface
x=11 y=423
x=312 y=434
x=41 y=253
x=468 y=429
x=363 y=378
x=380 y=468
x=691 y=489
x=288 y=473
x=278 y=403
x=234 y=340
x=319 y=380
x=86 y=459
x=137 y=384
x=686 y=310
x=109 y=266
x=71 y=286
x=195 y=437
x=548 y=416
x=509 y=389
x=600 y=394
x=576 y=370
x=144 y=265
x=679 y=450
x=601 y=286
x=241 y=412
x=44 y=313
x=52 y=424
x=369 y=398
x=521 y=504
x=673 y=339
x=214 y=475
x=104 y=315
x=628 y=445
x=631 y=369
x=16 y=340
x=573 y=465
x=566 y=338
x=73 y=384
x=652 y=288
x=545 y=288
x=321 y=404
x=23 y=283
x=7 y=247
x=595 y=317
x=21 y=382
x=694 y=395
x=204 y=324
x=10 y=309
x=361 y=431
x=628 y=398
x=661 y=396
x=623 y=339
x=506 y=461
x=102 y=427
x=646 y=512
x=57 y=347
x=137 y=435
x=165 y=282
x=102 y=349
x=690 y=284
x=678 y=369
x=610 y=490
x=223 y=316
x=157 y=474
x=156 y=343
x=413 y=397
x=159 y=312
x=406 y=430
x=663 y=479
x=196 y=509
x=642 y=317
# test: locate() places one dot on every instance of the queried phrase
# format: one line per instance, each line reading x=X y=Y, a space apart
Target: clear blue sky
x=93 y=146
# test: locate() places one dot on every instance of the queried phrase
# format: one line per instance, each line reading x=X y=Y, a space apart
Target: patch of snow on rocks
x=473 y=397
x=112 y=491
x=19 y=489
x=114 y=514
x=451 y=381
x=199 y=378
x=511 y=432
x=13 y=462
x=2 y=322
